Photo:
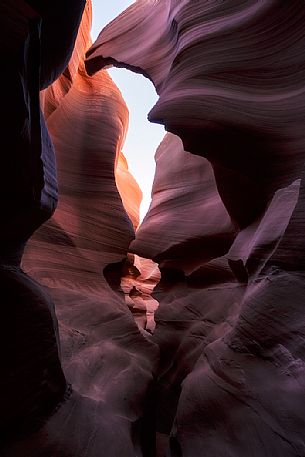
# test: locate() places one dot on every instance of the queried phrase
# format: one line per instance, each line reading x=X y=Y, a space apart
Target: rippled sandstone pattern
x=230 y=325
x=224 y=73
x=190 y=236
x=102 y=351
x=230 y=76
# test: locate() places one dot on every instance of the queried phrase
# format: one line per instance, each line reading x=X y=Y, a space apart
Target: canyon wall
x=90 y=365
x=230 y=326
x=188 y=236
x=230 y=96
x=28 y=185
x=32 y=380
x=80 y=383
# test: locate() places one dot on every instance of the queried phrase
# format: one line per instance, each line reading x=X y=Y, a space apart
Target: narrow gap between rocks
x=143 y=137
x=139 y=276
x=139 y=94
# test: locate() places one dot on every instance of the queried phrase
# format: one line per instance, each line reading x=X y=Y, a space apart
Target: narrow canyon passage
x=182 y=335
x=134 y=175
x=143 y=137
x=140 y=276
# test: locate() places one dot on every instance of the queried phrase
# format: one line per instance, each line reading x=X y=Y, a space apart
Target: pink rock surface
x=256 y=369
x=254 y=245
x=90 y=220
x=186 y=209
x=33 y=383
x=138 y=284
x=226 y=86
x=203 y=307
x=231 y=332
x=227 y=229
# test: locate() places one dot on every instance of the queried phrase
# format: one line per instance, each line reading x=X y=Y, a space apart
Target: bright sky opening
x=143 y=137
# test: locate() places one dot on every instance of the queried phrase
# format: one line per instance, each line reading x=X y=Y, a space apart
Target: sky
x=139 y=94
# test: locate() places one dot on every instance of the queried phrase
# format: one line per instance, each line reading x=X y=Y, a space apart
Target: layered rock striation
x=224 y=73
x=186 y=209
x=226 y=226
x=229 y=325
x=80 y=391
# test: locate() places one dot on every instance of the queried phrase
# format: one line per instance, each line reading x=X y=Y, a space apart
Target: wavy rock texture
x=199 y=305
x=90 y=219
x=104 y=355
x=230 y=325
x=256 y=369
x=231 y=330
x=223 y=71
x=138 y=284
x=202 y=307
x=190 y=236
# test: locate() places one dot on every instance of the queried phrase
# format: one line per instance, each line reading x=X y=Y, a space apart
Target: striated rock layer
x=105 y=357
x=90 y=212
x=190 y=236
x=226 y=225
x=224 y=73
x=230 y=76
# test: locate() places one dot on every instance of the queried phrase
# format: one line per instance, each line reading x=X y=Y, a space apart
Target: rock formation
x=218 y=368
x=32 y=382
x=230 y=96
x=101 y=407
x=188 y=237
x=138 y=284
x=129 y=189
x=28 y=185
x=230 y=79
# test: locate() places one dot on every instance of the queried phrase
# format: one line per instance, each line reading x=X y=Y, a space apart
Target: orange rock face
x=103 y=353
x=138 y=284
x=129 y=189
x=90 y=219
x=90 y=214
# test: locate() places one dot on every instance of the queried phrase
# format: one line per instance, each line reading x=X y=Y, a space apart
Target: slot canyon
x=182 y=335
